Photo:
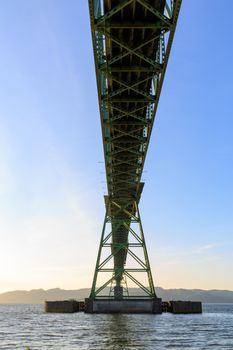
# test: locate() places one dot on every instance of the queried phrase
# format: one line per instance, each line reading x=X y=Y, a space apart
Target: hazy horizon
x=52 y=178
x=157 y=287
x=38 y=296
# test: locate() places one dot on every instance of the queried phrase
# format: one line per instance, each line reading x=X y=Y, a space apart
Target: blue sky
x=51 y=159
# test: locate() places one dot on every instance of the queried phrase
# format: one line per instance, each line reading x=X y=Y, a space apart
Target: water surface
x=28 y=325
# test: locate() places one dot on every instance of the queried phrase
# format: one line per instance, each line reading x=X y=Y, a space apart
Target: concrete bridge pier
x=148 y=306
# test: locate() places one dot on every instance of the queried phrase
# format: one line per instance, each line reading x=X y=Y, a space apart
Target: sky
x=52 y=176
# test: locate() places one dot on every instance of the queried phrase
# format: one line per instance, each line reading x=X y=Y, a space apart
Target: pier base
x=123 y=306
x=130 y=306
x=64 y=306
x=182 y=307
x=186 y=307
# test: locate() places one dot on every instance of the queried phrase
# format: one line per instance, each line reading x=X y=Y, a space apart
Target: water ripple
x=24 y=326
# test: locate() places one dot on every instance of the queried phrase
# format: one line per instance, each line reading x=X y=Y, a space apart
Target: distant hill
x=206 y=296
x=38 y=296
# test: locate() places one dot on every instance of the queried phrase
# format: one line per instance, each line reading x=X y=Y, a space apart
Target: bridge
x=132 y=40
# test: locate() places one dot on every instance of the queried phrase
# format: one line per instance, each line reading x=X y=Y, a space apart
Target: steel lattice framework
x=132 y=41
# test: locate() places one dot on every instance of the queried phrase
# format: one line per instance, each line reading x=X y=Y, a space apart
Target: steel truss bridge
x=132 y=40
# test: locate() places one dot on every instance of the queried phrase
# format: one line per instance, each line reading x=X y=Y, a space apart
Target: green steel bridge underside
x=131 y=41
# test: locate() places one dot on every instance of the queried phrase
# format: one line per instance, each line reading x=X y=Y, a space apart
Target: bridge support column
x=122 y=269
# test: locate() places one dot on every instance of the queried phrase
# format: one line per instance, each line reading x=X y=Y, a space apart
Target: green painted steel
x=135 y=240
x=132 y=41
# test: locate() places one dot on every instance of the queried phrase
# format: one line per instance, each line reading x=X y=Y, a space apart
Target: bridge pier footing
x=124 y=306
